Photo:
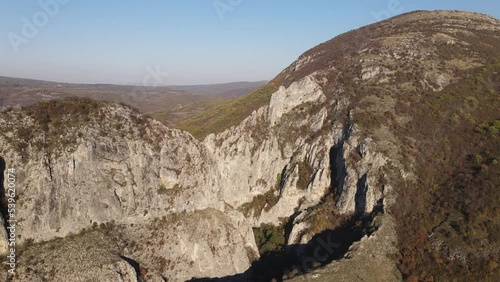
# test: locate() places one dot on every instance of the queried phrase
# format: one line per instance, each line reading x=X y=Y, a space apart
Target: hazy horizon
x=167 y=43
x=138 y=84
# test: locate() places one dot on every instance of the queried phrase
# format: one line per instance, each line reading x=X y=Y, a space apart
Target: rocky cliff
x=333 y=151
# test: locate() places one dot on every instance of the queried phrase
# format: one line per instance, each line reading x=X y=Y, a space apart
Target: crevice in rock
x=49 y=167
x=282 y=180
x=334 y=170
x=337 y=169
x=289 y=225
x=135 y=265
x=360 y=197
x=337 y=162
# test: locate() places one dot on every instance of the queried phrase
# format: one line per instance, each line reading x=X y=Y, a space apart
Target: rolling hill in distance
x=227 y=90
x=169 y=104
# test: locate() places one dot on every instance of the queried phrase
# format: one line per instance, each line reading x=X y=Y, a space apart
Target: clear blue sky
x=105 y=41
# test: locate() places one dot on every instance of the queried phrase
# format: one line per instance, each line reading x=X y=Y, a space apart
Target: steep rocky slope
x=83 y=164
x=387 y=135
x=390 y=113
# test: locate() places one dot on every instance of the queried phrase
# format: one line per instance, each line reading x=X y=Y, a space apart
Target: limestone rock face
x=300 y=92
x=120 y=181
x=205 y=243
x=300 y=167
x=108 y=179
x=259 y=156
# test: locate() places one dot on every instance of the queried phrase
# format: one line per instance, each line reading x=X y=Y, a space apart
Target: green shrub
x=491 y=128
x=259 y=203
x=454 y=118
x=269 y=238
x=478 y=159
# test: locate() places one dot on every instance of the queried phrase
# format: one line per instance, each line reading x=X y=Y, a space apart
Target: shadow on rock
x=300 y=259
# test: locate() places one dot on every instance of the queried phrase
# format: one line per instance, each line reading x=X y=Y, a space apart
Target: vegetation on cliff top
x=229 y=113
x=55 y=125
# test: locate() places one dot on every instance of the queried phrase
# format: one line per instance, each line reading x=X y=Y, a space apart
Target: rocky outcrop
x=303 y=163
x=266 y=159
x=367 y=260
x=120 y=178
x=204 y=243
x=90 y=256
x=298 y=93
x=103 y=179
